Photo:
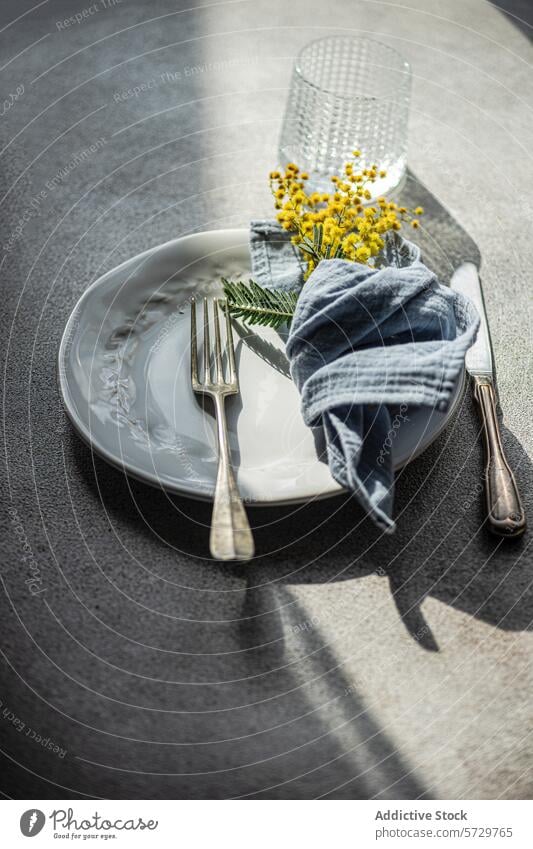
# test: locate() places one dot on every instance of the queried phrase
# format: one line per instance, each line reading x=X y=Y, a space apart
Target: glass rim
x=305 y=79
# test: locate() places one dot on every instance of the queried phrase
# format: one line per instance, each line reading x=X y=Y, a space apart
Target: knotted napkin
x=363 y=343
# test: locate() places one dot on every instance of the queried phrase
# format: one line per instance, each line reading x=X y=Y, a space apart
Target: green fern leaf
x=306 y=249
x=318 y=235
x=257 y=305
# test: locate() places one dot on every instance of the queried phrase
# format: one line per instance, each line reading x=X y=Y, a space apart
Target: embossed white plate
x=124 y=373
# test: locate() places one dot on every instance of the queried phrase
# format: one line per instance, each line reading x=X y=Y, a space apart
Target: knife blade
x=479 y=359
x=505 y=513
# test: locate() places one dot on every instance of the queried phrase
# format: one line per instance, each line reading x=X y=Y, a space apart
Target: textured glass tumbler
x=347 y=94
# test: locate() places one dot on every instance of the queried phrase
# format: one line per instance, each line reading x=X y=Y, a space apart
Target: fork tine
x=231 y=350
x=194 y=347
x=218 y=351
x=207 y=346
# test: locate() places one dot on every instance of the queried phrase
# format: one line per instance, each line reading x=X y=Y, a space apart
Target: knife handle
x=505 y=511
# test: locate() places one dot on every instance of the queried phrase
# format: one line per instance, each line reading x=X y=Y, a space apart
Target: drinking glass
x=347 y=93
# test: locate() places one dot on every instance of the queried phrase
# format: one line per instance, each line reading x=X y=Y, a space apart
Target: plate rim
x=146 y=477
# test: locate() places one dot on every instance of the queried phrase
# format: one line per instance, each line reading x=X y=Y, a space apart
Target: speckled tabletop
x=341 y=664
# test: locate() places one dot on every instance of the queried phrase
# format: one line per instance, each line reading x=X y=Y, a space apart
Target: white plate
x=124 y=374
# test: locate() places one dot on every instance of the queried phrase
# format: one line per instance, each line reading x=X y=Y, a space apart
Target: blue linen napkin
x=364 y=341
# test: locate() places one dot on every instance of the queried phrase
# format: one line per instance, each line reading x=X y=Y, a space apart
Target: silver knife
x=506 y=515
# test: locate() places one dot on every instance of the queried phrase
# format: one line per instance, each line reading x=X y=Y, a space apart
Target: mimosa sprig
x=325 y=225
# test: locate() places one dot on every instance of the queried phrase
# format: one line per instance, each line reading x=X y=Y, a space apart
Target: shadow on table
x=441 y=548
x=308 y=731
x=297 y=728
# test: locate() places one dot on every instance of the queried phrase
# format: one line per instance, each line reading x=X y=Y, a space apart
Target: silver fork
x=230 y=537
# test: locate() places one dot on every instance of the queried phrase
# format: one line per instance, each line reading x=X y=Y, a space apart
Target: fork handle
x=506 y=515
x=230 y=537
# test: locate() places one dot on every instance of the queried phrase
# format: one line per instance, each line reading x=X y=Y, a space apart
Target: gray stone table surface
x=342 y=664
